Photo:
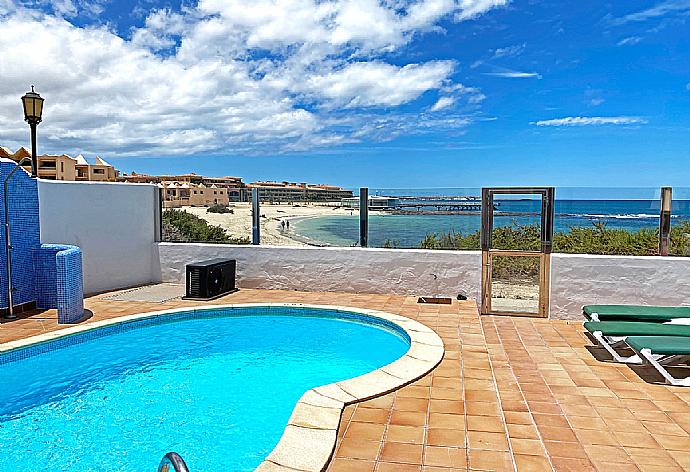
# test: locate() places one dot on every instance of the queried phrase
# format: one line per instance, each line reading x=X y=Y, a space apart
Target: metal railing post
x=256 y=218
x=363 y=216
x=665 y=221
x=158 y=215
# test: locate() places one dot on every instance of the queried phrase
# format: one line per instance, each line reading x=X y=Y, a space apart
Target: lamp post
x=33 y=111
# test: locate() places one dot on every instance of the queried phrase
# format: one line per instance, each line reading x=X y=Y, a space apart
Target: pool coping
x=309 y=439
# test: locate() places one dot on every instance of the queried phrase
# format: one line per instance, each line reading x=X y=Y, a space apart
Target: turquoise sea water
x=408 y=230
x=218 y=391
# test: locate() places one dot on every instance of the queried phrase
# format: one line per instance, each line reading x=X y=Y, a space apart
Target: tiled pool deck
x=510 y=394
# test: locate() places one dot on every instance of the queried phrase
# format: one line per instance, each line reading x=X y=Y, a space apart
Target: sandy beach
x=239 y=223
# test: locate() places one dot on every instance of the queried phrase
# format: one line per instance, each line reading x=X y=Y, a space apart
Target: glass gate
x=516 y=243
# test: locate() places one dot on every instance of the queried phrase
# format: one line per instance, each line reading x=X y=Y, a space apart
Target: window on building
x=99 y=171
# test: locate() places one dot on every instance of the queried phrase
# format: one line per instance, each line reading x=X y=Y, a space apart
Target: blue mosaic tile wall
x=24 y=235
x=48 y=274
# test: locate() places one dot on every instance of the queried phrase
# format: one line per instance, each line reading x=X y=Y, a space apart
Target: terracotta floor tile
x=673 y=443
x=371 y=415
x=573 y=450
x=407 y=434
x=408 y=418
x=401 y=452
x=485 y=440
x=386 y=401
x=397 y=467
x=520 y=431
x=671 y=429
x=446 y=421
x=682 y=458
x=415 y=391
x=563 y=464
x=490 y=460
x=411 y=404
x=609 y=454
x=532 y=463
x=587 y=422
x=558 y=421
x=545 y=407
x=590 y=436
x=351 y=465
x=445 y=457
x=482 y=408
x=637 y=439
x=456 y=407
x=485 y=423
x=370 y=431
x=532 y=447
x=446 y=437
x=557 y=434
x=516 y=417
x=352 y=448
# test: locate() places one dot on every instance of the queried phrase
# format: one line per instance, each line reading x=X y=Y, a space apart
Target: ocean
x=631 y=211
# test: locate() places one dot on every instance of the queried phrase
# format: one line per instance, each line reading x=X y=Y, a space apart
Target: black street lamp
x=33 y=111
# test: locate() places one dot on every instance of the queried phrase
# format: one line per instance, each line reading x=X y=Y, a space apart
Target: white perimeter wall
x=576 y=279
x=113 y=224
x=334 y=269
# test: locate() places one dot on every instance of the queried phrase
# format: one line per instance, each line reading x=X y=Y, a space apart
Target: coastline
x=239 y=223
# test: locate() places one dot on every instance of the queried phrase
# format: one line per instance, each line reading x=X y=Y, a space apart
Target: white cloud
x=515 y=75
x=240 y=75
x=443 y=102
x=662 y=9
x=595 y=102
x=591 y=120
x=509 y=51
x=629 y=41
x=366 y=84
x=64 y=7
x=474 y=8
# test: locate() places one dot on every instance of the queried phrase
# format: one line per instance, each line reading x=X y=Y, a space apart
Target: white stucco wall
x=114 y=224
x=578 y=280
x=335 y=269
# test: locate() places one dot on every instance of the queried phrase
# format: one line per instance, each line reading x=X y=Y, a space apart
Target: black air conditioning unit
x=210 y=279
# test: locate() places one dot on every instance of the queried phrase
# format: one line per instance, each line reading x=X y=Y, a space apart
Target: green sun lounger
x=662 y=350
x=634 y=312
x=613 y=334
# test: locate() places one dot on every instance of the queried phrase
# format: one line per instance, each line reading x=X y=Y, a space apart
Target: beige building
x=231 y=185
x=277 y=192
x=64 y=167
x=179 y=194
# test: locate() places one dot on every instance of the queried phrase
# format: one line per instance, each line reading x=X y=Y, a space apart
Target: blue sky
x=433 y=93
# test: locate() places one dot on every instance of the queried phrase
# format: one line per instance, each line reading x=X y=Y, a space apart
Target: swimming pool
x=215 y=385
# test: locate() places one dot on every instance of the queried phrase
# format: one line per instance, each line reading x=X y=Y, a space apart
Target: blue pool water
x=216 y=389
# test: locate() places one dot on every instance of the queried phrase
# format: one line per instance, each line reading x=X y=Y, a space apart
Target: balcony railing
x=621 y=221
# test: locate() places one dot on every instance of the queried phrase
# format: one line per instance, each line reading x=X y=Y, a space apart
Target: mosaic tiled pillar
x=59 y=280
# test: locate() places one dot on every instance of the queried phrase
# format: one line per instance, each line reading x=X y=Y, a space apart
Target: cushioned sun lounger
x=634 y=312
x=613 y=334
x=660 y=351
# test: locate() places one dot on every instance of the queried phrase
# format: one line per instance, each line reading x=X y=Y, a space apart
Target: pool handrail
x=172 y=459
